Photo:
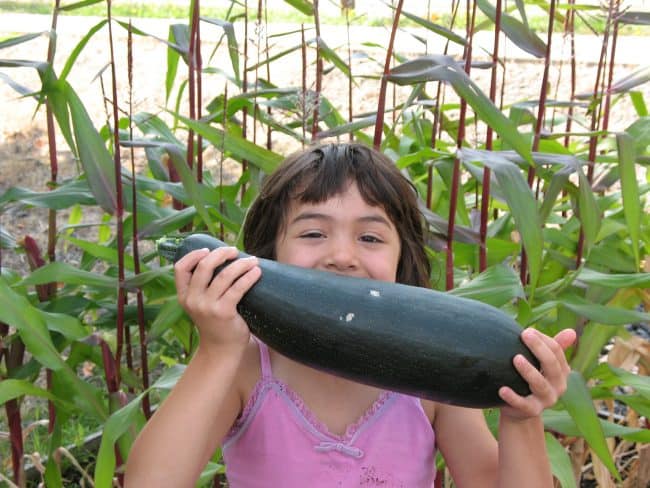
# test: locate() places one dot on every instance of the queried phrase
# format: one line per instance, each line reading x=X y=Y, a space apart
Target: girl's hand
x=546 y=384
x=212 y=303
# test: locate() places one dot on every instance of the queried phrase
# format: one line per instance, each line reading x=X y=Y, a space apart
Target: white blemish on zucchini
x=375 y=293
x=349 y=317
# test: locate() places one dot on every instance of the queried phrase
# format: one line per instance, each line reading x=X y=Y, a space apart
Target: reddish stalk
x=436 y=125
x=570 y=28
x=119 y=210
x=199 y=93
x=347 y=8
x=381 y=103
x=595 y=118
x=303 y=110
x=269 y=129
x=146 y=408
x=610 y=76
x=244 y=90
x=14 y=358
x=539 y=124
x=319 y=75
x=51 y=140
x=191 y=80
x=485 y=189
x=460 y=138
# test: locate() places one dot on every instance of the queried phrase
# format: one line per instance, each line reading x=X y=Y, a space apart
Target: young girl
x=346 y=209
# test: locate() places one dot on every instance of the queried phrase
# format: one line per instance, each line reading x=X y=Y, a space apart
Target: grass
x=177 y=10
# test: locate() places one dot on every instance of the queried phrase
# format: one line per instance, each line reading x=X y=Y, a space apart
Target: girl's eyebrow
x=380 y=219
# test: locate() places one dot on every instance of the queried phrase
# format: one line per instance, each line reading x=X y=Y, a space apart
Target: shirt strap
x=267 y=373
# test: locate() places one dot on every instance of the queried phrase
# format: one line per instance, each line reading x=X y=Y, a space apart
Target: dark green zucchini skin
x=402 y=338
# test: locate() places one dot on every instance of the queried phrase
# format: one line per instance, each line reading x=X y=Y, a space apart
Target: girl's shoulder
x=429 y=407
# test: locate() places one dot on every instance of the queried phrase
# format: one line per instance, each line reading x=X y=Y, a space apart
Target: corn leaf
x=588 y=211
x=72 y=58
x=304 y=6
x=560 y=461
x=14 y=41
x=523 y=207
x=95 y=158
x=496 y=286
x=16 y=311
x=240 y=148
x=561 y=421
x=438 y=29
x=519 y=33
x=12 y=388
x=233 y=48
x=443 y=68
x=66 y=273
x=579 y=405
x=621 y=280
x=630 y=190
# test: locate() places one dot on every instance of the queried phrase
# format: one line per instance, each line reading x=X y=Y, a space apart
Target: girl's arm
x=179 y=439
x=519 y=459
x=522 y=447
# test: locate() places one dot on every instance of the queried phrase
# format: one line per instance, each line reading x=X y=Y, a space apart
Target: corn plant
x=536 y=206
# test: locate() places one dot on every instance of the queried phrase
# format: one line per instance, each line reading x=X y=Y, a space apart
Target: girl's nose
x=341 y=257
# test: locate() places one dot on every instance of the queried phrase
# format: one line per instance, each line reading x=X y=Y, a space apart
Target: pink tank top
x=277 y=442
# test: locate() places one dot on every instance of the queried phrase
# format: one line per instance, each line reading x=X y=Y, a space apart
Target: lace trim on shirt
x=265 y=383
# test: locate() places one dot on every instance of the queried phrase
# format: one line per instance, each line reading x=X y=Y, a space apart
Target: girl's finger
x=539 y=385
x=546 y=350
x=204 y=271
x=228 y=278
x=183 y=270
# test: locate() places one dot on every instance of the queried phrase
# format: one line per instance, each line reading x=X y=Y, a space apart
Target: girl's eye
x=370 y=239
x=311 y=235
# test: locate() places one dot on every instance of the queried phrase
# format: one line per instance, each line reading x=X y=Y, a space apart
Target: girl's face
x=343 y=235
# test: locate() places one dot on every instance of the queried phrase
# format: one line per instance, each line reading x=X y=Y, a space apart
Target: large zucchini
x=403 y=338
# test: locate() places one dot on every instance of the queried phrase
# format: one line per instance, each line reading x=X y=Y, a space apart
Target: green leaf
x=239 y=147
x=329 y=54
x=233 y=48
x=627 y=280
x=16 y=311
x=72 y=58
x=561 y=421
x=95 y=158
x=172 y=65
x=630 y=190
x=603 y=314
x=445 y=68
x=66 y=273
x=592 y=341
x=116 y=425
x=78 y=5
x=519 y=33
x=560 y=461
x=588 y=211
x=170 y=313
x=119 y=422
x=579 y=404
x=640 y=132
x=304 y=6
x=523 y=207
x=438 y=29
x=11 y=388
x=65 y=325
x=496 y=286
x=14 y=41
x=61 y=198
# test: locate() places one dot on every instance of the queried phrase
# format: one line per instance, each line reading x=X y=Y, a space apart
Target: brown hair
x=323 y=171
